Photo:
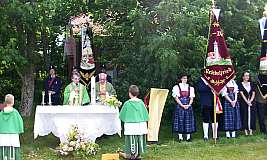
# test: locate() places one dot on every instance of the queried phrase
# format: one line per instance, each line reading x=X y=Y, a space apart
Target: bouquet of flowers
x=112 y=101
x=76 y=144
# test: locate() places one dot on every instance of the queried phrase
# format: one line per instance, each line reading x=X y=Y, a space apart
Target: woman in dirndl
x=231 y=109
x=247 y=105
x=184 y=120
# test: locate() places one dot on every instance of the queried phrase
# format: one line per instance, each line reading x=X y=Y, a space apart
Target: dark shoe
x=206 y=139
x=179 y=140
x=189 y=140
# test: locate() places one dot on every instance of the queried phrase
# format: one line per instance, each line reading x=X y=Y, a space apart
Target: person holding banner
x=135 y=116
x=261 y=92
x=207 y=108
x=231 y=109
x=247 y=106
x=75 y=93
x=184 y=120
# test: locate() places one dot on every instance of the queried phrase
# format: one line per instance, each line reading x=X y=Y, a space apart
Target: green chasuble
x=134 y=111
x=109 y=88
x=82 y=96
x=11 y=122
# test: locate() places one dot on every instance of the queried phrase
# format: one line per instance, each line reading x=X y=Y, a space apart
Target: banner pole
x=215 y=123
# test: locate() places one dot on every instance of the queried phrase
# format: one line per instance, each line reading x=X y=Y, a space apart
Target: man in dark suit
x=52 y=86
x=207 y=107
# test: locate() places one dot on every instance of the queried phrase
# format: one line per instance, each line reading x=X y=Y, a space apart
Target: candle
x=93 y=98
x=43 y=96
x=49 y=98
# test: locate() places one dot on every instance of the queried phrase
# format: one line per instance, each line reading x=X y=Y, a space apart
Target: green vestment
x=134 y=111
x=109 y=88
x=82 y=96
x=11 y=122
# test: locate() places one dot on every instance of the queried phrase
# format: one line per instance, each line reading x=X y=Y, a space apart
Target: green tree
x=28 y=38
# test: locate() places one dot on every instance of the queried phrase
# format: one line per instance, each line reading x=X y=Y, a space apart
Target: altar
x=93 y=120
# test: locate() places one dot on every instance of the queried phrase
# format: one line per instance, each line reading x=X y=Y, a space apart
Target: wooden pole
x=210 y=21
x=214 y=95
x=215 y=118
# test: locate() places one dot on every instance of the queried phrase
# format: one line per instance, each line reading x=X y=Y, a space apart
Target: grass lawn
x=244 y=148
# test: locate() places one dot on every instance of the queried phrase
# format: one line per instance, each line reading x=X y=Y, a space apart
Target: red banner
x=219 y=69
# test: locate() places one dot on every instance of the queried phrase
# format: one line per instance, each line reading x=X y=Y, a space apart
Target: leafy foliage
x=149 y=42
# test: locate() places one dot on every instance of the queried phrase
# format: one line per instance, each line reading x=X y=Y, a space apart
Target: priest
x=75 y=93
x=104 y=88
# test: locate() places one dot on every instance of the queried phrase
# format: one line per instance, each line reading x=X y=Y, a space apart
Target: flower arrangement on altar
x=112 y=101
x=77 y=145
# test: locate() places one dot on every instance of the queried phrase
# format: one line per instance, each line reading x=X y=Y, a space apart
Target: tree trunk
x=47 y=58
x=27 y=91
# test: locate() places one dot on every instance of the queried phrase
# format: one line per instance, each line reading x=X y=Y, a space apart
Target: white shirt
x=135 y=128
x=231 y=83
x=184 y=87
x=9 y=140
x=247 y=86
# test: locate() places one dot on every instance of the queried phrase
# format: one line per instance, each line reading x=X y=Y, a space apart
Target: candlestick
x=49 y=98
x=43 y=97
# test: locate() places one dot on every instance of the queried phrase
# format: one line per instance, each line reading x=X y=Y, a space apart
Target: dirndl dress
x=184 y=120
x=232 y=118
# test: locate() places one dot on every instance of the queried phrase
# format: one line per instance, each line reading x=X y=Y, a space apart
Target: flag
x=262 y=77
x=218 y=70
x=87 y=63
x=81 y=25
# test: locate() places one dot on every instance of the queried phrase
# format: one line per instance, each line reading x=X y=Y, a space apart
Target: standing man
x=52 y=86
x=261 y=91
x=103 y=70
x=261 y=106
x=207 y=108
x=104 y=88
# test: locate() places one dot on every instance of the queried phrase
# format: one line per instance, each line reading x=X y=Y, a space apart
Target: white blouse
x=247 y=87
x=231 y=83
x=184 y=87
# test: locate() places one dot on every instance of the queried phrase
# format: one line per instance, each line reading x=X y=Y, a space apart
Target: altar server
x=135 y=116
x=11 y=125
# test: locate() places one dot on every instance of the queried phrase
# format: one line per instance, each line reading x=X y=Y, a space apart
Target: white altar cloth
x=92 y=120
